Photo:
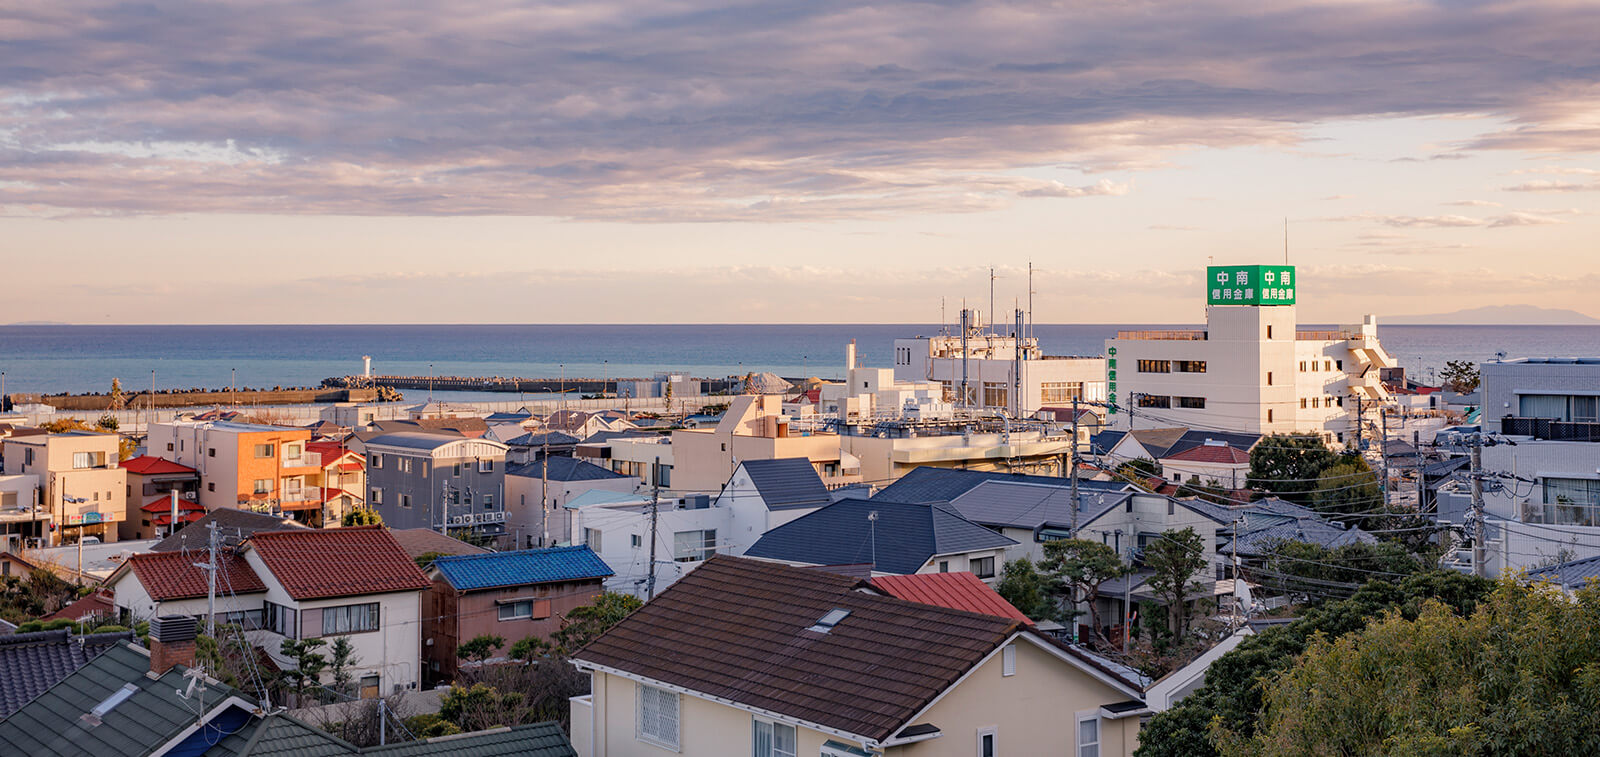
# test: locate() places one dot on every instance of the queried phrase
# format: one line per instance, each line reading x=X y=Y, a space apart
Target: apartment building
x=1001 y=373
x=1251 y=369
x=82 y=486
x=438 y=481
x=246 y=466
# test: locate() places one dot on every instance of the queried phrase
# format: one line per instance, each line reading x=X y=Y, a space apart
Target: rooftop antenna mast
x=991 y=299
x=1030 y=299
x=1285 y=240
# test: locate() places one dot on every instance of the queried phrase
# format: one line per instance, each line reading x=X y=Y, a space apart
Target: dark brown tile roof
x=737 y=629
x=421 y=541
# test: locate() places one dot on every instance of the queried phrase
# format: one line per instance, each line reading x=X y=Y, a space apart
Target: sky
x=708 y=161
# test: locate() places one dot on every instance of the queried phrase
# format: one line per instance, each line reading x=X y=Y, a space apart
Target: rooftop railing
x=1184 y=335
x=1550 y=429
x=1324 y=336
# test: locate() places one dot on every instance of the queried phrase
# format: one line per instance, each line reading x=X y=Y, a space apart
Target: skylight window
x=830 y=620
x=110 y=703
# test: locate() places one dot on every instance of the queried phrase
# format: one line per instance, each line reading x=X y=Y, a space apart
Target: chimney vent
x=172 y=642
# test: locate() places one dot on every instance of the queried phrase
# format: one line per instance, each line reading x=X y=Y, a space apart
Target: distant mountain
x=1498 y=315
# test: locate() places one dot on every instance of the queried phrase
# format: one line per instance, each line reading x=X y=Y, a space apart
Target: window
x=986 y=742
x=1302 y=366
x=488 y=501
x=1341 y=401
x=982 y=567
x=1269 y=332
x=1189 y=366
x=291 y=451
x=1060 y=391
x=211 y=486
x=1553 y=406
x=944 y=566
x=524 y=609
x=1155 y=366
x=265 y=450
x=1154 y=400
x=694 y=546
x=1303 y=402
x=403 y=465
x=656 y=720
x=1316 y=402
x=772 y=739
x=169 y=449
x=635 y=541
x=280 y=620
x=591 y=537
x=995 y=394
x=1269 y=378
x=1192 y=403
x=1269 y=415
x=1008 y=660
x=377 y=496
x=1088 y=735
x=377 y=460
x=1339 y=364
x=263 y=486
x=88 y=459
x=1339 y=435
x=485 y=466
x=405 y=500
x=350 y=619
x=1327 y=365
x=212 y=452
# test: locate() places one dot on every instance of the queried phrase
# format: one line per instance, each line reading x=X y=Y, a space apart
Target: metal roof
x=927 y=484
x=522 y=567
x=904 y=538
x=1569 y=575
x=787 y=482
x=562 y=468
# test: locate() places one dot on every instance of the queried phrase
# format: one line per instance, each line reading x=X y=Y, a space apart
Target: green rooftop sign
x=1250 y=285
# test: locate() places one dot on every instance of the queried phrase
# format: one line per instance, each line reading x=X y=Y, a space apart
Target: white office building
x=1251 y=369
x=1001 y=373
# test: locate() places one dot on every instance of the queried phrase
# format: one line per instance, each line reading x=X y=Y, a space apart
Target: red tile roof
x=97 y=604
x=1213 y=453
x=162 y=503
x=146 y=465
x=957 y=591
x=174 y=575
x=338 y=562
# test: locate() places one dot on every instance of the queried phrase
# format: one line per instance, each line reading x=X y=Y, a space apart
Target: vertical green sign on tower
x=1250 y=285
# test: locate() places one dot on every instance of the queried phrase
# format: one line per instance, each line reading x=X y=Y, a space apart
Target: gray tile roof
x=905 y=538
x=423 y=440
x=560 y=468
x=1012 y=504
x=1569 y=575
x=787 y=483
x=541 y=438
x=233 y=523
x=926 y=484
x=532 y=740
x=30 y=663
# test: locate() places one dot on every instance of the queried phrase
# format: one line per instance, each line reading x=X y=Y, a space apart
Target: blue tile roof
x=787 y=483
x=521 y=568
x=561 y=468
x=927 y=485
x=905 y=538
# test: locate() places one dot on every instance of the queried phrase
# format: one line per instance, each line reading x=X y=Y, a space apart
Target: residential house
x=246 y=466
x=764 y=494
x=13 y=564
x=512 y=595
x=131 y=702
x=537 y=494
x=582 y=424
x=36 y=661
x=428 y=480
x=1570 y=575
x=152 y=484
x=787 y=661
x=1214 y=461
x=424 y=545
x=355 y=583
x=82 y=486
x=534 y=444
x=467 y=426
x=24 y=521
x=96 y=607
x=154 y=584
x=343 y=482
x=1156 y=444
x=233 y=527
x=1033 y=513
x=894 y=537
x=928 y=485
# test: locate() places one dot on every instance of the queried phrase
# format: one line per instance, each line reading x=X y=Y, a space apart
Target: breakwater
x=198 y=398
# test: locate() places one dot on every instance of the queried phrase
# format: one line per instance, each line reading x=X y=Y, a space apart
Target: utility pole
x=210 y=567
x=655 y=512
x=1359 y=417
x=1383 y=453
x=872 y=525
x=1422 y=488
x=544 y=490
x=383 y=736
x=1072 y=463
x=1478 y=551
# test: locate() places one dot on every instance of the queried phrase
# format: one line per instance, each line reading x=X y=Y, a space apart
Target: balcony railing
x=1324 y=336
x=1551 y=429
x=1186 y=335
x=305 y=460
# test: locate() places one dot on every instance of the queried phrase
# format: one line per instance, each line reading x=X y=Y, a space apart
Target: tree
x=1232 y=693
x=1519 y=675
x=66 y=424
x=1348 y=486
x=118 y=399
x=363 y=516
x=1082 y=566
x=1175 y=557
x=339 y=666
x=480 y=647
x=1028 y=590
x=107 y=423
x=308 y=664
x=1460 y=376
x=585 y=624
x=1289 y=466
x=1139 y=469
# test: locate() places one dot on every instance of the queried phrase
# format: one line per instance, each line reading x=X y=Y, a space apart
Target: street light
x=77 y=501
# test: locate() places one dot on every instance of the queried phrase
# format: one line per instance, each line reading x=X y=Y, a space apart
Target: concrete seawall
x=92 y=402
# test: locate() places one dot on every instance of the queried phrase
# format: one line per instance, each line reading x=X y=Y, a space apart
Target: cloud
x=1514 y=218
x=707 y=110
x=1475 y=203
x=1057 y=189
x=1546 y=185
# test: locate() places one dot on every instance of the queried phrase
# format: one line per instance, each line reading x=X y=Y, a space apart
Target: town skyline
x=709 y=163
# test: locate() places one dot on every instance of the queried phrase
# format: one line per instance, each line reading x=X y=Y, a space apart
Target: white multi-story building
x=1007 y=374
x=1251 y=369
x=869 y=393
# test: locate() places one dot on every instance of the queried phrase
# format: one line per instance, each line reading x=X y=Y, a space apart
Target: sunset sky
x=694 y=161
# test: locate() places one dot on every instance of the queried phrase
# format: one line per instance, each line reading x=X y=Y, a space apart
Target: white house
x=155 y=584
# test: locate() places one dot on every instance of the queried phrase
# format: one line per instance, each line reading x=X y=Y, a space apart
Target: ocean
x=53 y=359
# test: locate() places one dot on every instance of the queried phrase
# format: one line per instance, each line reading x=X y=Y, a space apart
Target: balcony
x=305 y=460
x=1550 y=429
x=1182 y=335
x=1325 y=336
